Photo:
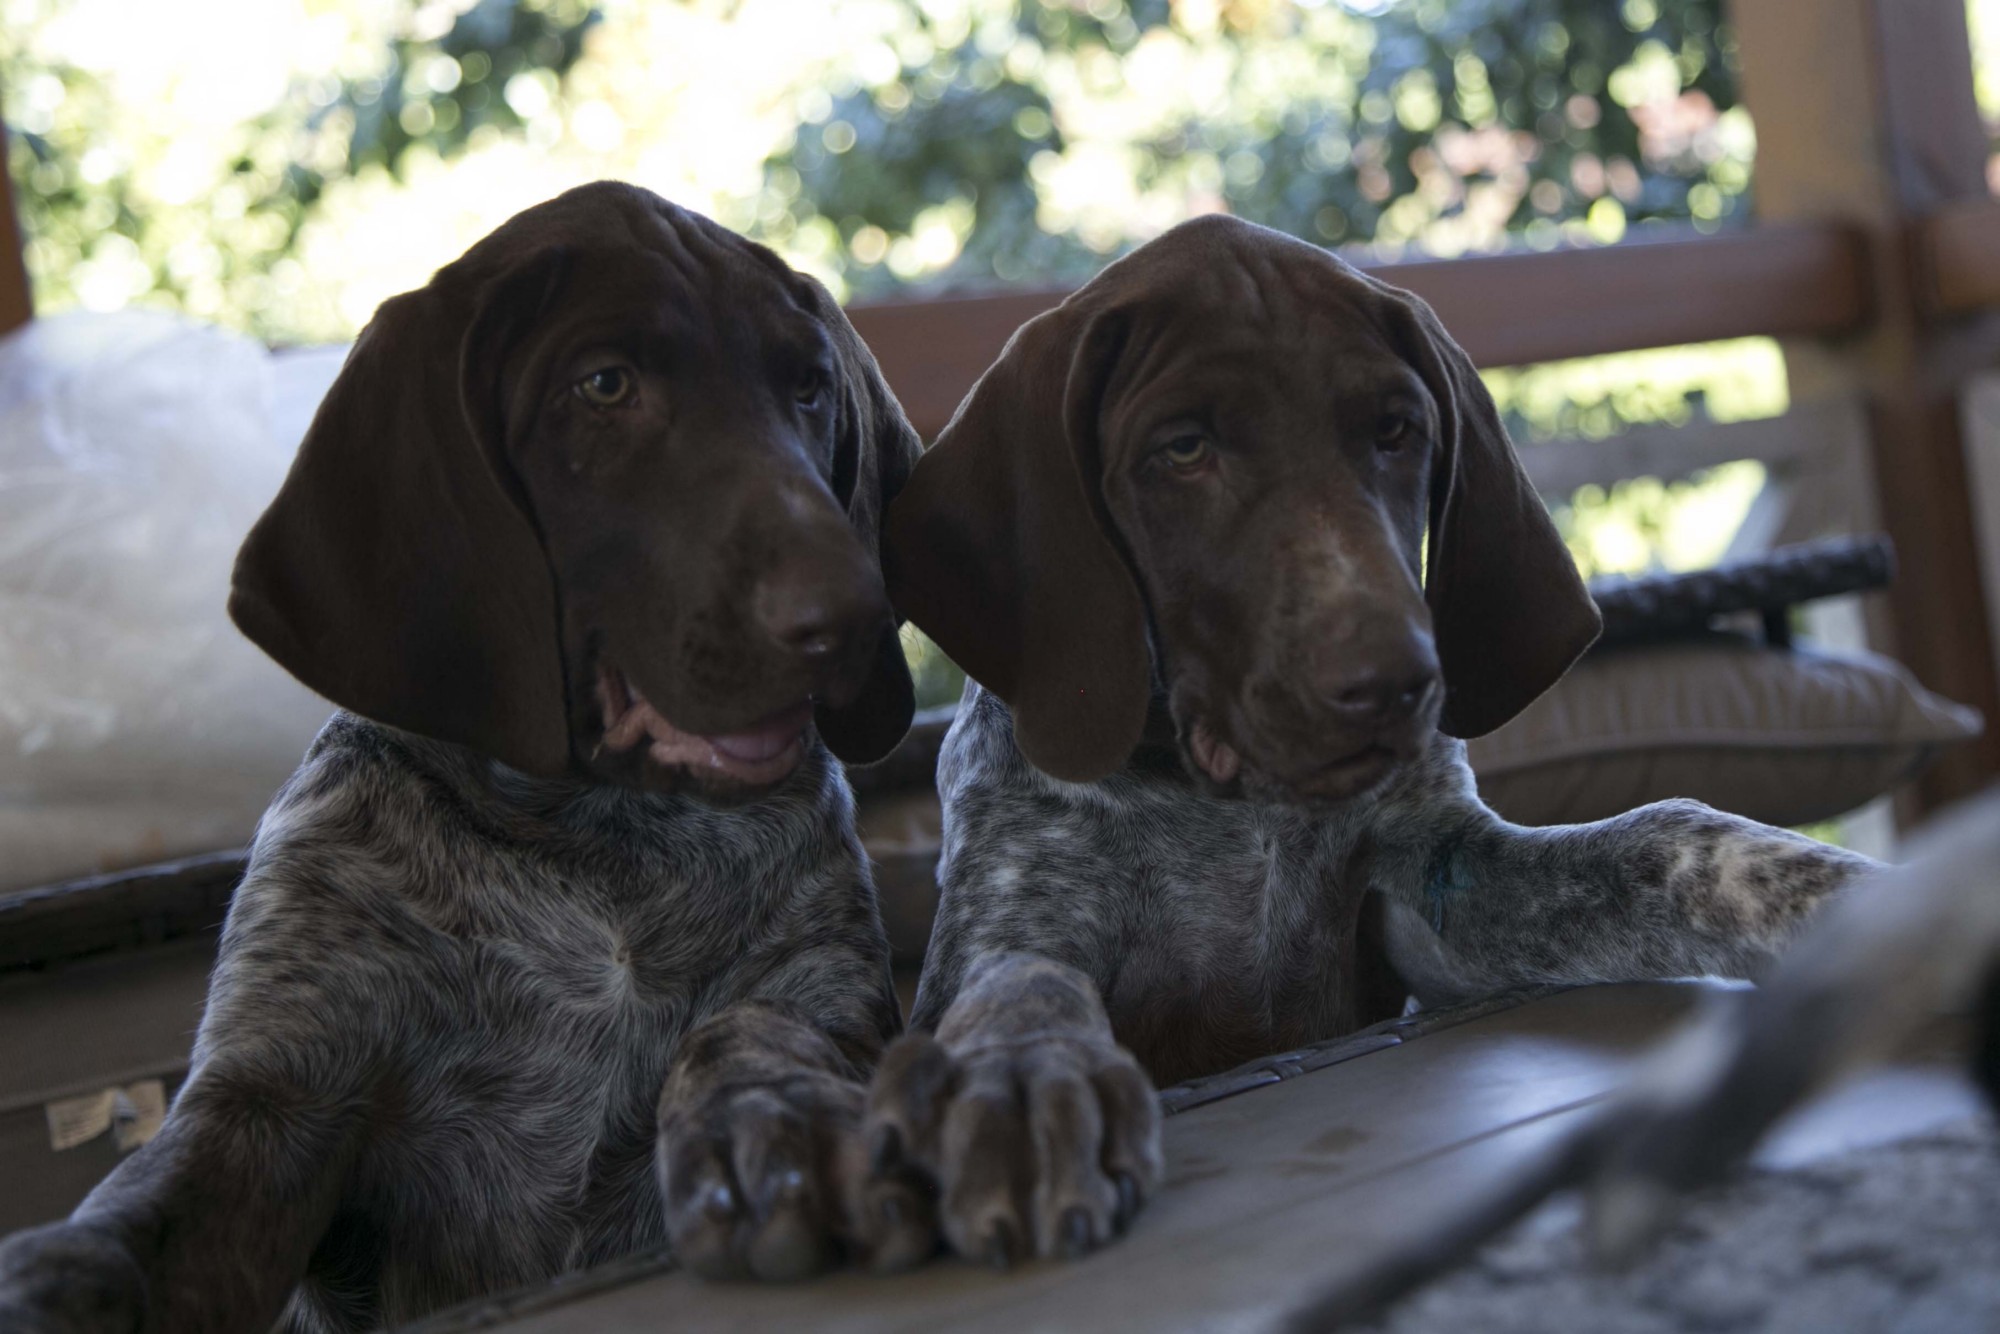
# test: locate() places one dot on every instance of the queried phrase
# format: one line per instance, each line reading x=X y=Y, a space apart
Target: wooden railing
x=16 y=306
x=1505 y=310
x=1959 y=251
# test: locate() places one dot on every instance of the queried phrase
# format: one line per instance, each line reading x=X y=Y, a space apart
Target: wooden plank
x=1323 y=1165
x=1670 y=453
x=1982 y=448
x=1958 y=250
x=1513 y=309
x=103 y=1021
x=932 y=350
x=1506 y=309
x=104 y=912
x=16 y=303
x=1865 y=115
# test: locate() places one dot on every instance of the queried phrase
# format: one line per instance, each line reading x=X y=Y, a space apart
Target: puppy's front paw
x=68 y=1279
x=1046 y=1145
x=768 y=1180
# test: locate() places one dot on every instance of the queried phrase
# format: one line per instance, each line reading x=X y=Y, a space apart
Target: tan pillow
x=1786 y=736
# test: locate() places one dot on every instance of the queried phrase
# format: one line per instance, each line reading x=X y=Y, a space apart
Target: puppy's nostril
x=816 y=643
x=1415 y=690
x=817 y=624
x=811 y=631
x=1370 y=695
x=1383 y=697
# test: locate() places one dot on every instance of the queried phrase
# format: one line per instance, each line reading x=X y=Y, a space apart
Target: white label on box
x=133 y=1112
x=74 y=1121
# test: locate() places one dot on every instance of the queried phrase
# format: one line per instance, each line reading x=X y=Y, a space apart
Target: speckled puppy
x=1177 y=534
x=561 y=942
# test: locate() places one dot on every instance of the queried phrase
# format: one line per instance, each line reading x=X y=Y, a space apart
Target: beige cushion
x=1783 y=736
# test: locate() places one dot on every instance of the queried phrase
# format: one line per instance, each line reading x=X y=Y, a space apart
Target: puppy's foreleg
x=1670 y=890
x=207 y=1228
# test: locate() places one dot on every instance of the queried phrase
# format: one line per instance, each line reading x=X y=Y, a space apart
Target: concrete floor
x=1901 y=1238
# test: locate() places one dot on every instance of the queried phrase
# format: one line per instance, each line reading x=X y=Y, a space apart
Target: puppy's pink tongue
x=765 y=740
x=1216 y=758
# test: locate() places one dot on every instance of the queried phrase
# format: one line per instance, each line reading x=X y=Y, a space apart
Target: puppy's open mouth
x=762 y=753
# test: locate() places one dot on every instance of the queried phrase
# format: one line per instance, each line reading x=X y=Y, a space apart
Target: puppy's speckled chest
x=505 y=977
x=1217 y=930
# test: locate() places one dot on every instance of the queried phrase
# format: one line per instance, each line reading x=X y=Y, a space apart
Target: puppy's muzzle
x=1383 y=693
x=825 y=628
x=1337 y=719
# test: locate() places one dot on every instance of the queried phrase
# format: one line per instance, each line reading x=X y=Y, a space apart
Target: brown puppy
x=1177 y=537
x=560 y=944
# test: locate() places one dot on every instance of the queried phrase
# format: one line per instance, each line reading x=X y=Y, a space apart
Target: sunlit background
x=280 y=166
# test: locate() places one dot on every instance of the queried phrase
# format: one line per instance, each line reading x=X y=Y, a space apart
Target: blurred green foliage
x=1454 y=125
x=222 y=243
x=1983 y=20
x=967 y=143
x=973 y=155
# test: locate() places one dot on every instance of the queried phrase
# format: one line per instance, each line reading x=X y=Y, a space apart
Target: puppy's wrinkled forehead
x=638 y=252
x=1219 y=291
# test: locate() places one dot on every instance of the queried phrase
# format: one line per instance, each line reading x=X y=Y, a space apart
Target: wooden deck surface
x=1271 y=1193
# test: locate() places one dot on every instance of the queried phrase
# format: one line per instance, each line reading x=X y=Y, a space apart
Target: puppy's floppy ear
x=874 y=449
x=1508 y=607
x=999 y=549
x=397 y=573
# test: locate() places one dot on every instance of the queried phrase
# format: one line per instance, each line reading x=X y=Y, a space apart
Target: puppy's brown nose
x=816 y=621
x=1382 y=695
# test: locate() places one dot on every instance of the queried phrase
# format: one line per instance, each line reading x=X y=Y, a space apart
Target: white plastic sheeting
x=135 y=722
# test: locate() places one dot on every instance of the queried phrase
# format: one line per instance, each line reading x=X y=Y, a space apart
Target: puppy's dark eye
x=605 y=388
x=1187 y=452
x=811 y=391
x=1393 y=431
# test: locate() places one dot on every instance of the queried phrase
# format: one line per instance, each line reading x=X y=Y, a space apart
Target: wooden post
x=1865 y=115
x=15 y=304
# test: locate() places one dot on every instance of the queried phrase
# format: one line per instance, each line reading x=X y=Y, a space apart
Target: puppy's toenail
x=720 y=1205
x=892 y=1211
x=1000 y=1245
x=887 y=1150
x=1128 y=1200
x=1075 y=1233
x=791 y=1186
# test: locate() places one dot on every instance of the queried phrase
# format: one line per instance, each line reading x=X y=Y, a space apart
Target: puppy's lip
x=1348 y=774
x=758 y=755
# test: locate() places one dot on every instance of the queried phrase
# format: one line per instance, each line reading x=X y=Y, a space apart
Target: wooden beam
x=1798 y=439
x=932 y=350
x=1506 y=309
x=16 y=305
x=1866 y=117
x=1512 y=309
x=1958 y=249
